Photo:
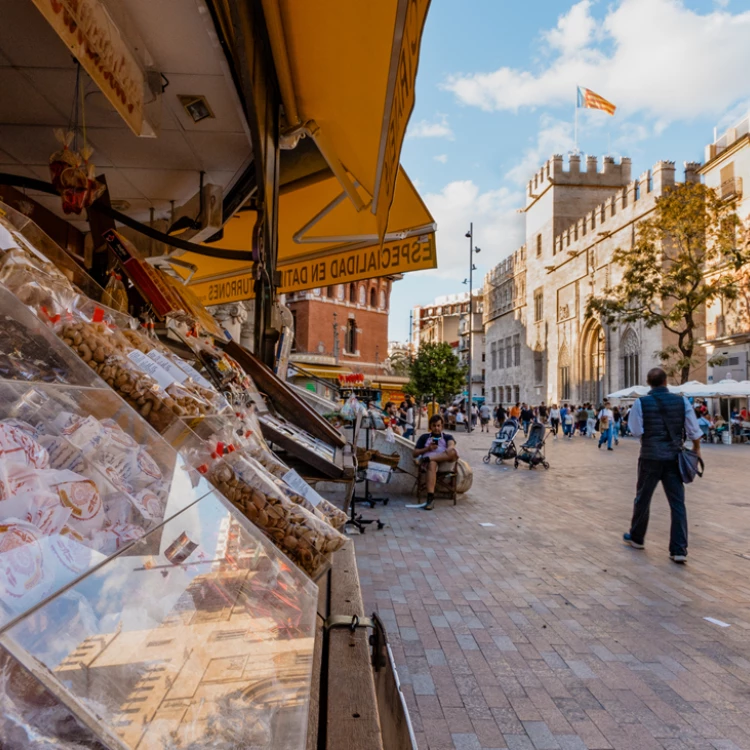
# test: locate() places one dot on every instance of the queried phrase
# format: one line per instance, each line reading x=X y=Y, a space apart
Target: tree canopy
x=684 y=256
x=436 y=371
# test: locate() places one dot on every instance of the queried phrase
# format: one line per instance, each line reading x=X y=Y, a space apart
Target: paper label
x=301 y=487
x=143 y=363
x=194 y=374
x=167 y=365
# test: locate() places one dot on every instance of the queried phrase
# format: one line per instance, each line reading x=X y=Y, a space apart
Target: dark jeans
x=650 y=473
x=526 y=424
x=555 y=424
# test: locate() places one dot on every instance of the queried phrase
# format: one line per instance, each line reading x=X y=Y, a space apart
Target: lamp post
x=470 y=236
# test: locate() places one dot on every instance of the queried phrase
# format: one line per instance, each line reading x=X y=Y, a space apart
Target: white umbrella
x=634 y=391
x=694 y=388
x=732 y=388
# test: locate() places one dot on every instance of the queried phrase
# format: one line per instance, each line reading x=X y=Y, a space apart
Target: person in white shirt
x=554 y=420
x=606 y=423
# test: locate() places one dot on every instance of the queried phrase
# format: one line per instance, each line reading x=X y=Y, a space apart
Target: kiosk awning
x=323 y=240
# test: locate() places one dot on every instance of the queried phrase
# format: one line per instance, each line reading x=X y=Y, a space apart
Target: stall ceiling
x=37 y=81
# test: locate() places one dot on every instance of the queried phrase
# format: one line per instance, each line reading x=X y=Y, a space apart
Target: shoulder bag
x=688 y=461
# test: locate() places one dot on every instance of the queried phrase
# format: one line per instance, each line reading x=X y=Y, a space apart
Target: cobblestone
x=545 y=631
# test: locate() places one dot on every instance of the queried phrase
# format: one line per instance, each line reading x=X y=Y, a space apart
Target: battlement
x=553 y=172
x=601 y=219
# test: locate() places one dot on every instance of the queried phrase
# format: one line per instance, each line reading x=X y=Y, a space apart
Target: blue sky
x=496 y=94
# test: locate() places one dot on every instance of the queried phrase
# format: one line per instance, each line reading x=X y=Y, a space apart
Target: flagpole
x=575 y=124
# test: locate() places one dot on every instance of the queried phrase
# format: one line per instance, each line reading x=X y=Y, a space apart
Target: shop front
x=164 y=552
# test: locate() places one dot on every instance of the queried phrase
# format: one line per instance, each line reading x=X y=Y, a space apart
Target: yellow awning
x=347 y=72
x=342 y=246
x=328 y=373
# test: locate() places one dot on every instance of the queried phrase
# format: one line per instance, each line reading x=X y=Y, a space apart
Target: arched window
x=593 y=362
x=373 y=297
x=362 y=295
x=352 y=293
x=563 y=365
x=350 y=343
x=382 y=299
x=630 y=354
x=331 y=292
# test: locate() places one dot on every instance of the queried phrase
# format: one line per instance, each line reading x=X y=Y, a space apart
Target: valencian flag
x=589 y=100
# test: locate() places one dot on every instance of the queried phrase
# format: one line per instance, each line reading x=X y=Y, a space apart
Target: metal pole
x=471 y=319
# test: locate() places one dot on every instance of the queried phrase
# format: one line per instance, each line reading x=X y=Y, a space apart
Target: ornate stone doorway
x=593 y=362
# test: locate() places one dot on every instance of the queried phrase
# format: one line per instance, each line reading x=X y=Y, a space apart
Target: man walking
x=527 y=417
x=484 y=416
x=660 y=419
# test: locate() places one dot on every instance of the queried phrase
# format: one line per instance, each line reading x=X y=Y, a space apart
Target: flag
x=589 y=100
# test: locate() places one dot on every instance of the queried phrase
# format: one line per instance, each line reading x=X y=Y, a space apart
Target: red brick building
x=342 y=328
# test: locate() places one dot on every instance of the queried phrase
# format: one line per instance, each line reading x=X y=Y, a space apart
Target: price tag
x=144 y=364
x=168 y=365
x=194 y=374
x=301 y=487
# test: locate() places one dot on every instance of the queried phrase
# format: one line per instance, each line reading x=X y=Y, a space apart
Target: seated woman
x=433 y=449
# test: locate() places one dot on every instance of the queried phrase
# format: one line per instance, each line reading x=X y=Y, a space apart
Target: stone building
x=540 y=345
x=340 y=329
x=727 y=339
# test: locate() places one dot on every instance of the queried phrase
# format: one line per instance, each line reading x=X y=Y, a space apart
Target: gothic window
x=352 y=293
x=508 y=352
x=563 y=362
x=538 y=365
x=373 y=298
x=538 y=305
x=508 y=394
x=517 y=349
x=630 y=359
x=350 y=342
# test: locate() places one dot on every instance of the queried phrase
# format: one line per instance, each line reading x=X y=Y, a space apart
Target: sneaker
x=610 y=449
x=600 y=446
x=629 y=540
x=681 y=559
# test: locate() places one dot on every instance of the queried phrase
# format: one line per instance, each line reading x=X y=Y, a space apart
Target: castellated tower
x=556 y=198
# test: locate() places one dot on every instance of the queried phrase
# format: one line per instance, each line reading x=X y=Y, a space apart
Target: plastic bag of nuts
x=307 y=540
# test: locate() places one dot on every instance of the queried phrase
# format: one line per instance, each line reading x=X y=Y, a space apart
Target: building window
x=493 y=395
x=563 y=360
x=539 y=246
x=362 y=296
x=517 y=349
x=538 y=305
x=493 y=354
x=508 y=394
x=352 y=293
x=509 y=352
x=382 y=299
x=331 y=292
x=538 y=366
x=373 y=298
x=630 y=359
x=484 y=357
x=517 y=393
x=350 y=342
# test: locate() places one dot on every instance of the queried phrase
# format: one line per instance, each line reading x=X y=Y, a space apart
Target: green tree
x=435 y=370
x=683 y=257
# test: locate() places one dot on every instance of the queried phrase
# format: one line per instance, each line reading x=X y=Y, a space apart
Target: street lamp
x=470 y=236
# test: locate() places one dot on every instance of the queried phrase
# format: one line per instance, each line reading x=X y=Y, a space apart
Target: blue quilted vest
x=656 y=442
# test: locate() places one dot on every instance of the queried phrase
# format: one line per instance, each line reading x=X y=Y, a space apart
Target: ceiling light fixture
x=197 y=107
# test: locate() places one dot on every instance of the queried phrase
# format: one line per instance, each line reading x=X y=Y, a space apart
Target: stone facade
x=727 y=339
x=540 y=345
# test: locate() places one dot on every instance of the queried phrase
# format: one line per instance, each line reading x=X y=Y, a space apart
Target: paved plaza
x=540 y=630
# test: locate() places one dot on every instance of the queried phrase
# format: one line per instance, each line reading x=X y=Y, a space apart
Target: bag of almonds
x=247 y=435
x=306 y=539
x=106 y=352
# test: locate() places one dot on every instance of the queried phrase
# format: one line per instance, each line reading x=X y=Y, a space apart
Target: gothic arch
x=630 y=354
x=593 y=362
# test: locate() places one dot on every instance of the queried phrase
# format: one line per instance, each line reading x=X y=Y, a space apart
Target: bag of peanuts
x=305 y=538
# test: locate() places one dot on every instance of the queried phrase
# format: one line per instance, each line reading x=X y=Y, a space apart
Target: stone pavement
x=544 y=632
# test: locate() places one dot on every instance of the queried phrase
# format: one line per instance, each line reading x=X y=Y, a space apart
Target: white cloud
x=498 y=228
x=442 y=158
x=426 y=129
x=652 y=57
x=554 y=137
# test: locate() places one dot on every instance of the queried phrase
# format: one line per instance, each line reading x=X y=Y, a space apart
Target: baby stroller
x=503 y=446
x=532 y=451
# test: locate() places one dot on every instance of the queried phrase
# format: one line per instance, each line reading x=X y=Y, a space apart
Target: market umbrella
x=633 y=391
x=733 y=388
x=694 y=388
